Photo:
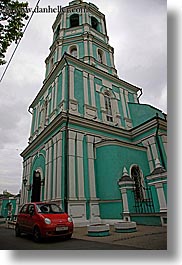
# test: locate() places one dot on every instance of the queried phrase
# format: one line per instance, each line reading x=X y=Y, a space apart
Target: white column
x=161 y=197
x=71 y=80
x=92 y=89
x=135 y=98
x=85 y=87
x=83 y=16
x=90 y=141
x=164 y=140
x=49 y=171
x=55 y=93
x=91 y=47
x=127 y=100
x=59 y=165
x=52 y=97
x=125 y=200
x=149 y=155
x=64 y=20
x=103 y=26
x=54 y=181
x=63 y=84
x=22 y=185
x=80 y=173
x=46 y=172
x=29 y=164
x=123 y=103
x=71 y=165
x=153 y=147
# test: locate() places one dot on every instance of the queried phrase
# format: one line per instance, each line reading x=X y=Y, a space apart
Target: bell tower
x=80 y=30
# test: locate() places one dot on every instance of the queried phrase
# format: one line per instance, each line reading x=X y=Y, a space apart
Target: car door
x=31 y=218
x=22 y=218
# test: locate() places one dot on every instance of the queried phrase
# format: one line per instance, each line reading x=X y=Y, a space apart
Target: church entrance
x=36 y=187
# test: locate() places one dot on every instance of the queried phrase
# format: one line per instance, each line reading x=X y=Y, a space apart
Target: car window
x=48 y=208
x=31 y=208
x=24 y=209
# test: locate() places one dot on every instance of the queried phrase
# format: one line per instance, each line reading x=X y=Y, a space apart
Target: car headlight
x=47 y=221
x=70 y=219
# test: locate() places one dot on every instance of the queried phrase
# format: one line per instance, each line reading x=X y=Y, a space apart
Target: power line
x=19 y=42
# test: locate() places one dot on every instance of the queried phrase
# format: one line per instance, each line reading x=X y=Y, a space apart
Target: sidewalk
x=146 y=237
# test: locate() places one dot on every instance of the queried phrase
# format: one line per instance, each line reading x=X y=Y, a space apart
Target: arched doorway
x=36 y=187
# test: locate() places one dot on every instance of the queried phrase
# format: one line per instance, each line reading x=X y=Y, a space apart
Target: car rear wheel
x=17 y=231
x=36 y=234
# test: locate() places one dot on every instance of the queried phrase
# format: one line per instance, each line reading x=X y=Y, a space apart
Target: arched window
x=73 y=51
x=95 y=23
x=74 y=20
x=108 y=106
x=136 y=176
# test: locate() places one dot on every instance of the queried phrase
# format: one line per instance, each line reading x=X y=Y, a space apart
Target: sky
x=137 y=30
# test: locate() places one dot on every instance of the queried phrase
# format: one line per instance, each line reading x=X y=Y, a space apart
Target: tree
x=12 y=15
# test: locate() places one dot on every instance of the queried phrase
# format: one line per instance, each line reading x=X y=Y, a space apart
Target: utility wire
x=18 y=42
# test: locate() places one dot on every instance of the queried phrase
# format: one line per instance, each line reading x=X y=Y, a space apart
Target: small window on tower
x=95 y=23
x=100 y=56
x=73 y=52
x=108 y=106
x=74 y=20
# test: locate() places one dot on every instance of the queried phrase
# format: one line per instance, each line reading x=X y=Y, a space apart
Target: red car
x=43 y=220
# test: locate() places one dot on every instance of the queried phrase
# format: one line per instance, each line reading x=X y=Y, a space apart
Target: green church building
x=93 y=148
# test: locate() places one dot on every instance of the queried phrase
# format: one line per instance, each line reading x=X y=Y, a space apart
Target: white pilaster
x=90 y=141
x=161 y=197
x=71 y=164
x=54 y=181
x=46 y=172
x=80 y=173
x=85 y=87
x=71 y=80
x=127 y=100
x=149 y=155
x=49 y=170
x=153 y=147
x=63 y=84
x=123 y=103
x=92 y=90
x=55 y=93
x=59 y=165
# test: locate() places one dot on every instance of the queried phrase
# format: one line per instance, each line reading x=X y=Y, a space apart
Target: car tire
x=17 y=231
x=36 y=235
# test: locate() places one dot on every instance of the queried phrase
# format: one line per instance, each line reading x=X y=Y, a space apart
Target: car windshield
x=48 y=208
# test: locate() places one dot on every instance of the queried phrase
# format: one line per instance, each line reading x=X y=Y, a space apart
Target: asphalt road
x=8 y=241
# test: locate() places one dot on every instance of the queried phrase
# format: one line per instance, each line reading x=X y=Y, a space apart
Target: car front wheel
x=36 y=234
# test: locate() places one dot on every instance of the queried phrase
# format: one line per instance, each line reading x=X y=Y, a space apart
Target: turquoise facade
x=88 y=125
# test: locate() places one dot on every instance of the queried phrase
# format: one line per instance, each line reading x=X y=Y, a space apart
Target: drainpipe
x=158 y=141
x=141 y=93
x=66 y=174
